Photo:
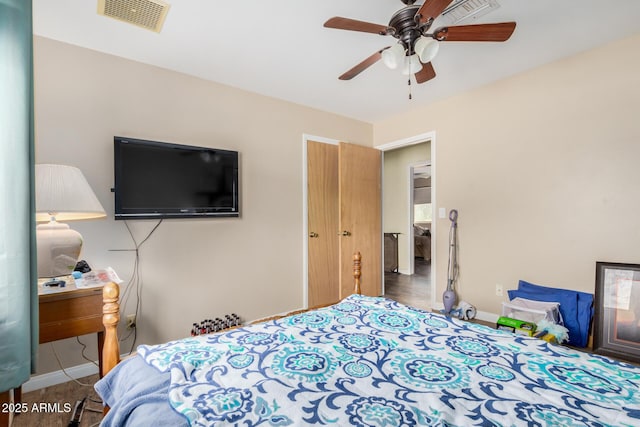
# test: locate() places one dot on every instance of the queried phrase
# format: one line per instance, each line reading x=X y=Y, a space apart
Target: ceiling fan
x=417 y=46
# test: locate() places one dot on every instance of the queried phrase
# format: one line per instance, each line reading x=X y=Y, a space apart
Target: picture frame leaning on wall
x=617 y=311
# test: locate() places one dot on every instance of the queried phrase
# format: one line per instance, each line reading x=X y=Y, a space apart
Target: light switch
x=442 y=213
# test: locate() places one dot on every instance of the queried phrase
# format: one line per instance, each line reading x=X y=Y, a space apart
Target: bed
x=365 y=361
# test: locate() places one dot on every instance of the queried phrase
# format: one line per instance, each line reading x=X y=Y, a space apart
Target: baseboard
x=58 y=377
x=480 y=315
x=487 y=317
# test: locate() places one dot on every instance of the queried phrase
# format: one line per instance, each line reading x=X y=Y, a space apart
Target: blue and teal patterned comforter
x=374 y=362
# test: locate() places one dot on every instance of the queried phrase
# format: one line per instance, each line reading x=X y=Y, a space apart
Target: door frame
x=305 y=213
x=406 y=142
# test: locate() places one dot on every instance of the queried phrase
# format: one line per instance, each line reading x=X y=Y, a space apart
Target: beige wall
x=396 y=195
x=190 y=269
x=542 y=167
x=544 y=170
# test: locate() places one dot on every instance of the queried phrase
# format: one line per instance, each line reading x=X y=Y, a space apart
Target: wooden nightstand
x=67 y=312
x=70 y=312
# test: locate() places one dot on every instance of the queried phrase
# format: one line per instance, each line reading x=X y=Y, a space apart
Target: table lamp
x=62 y=193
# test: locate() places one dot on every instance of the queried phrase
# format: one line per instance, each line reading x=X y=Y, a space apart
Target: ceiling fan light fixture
x=416 y=47
x=412 y=65
x=426 y=48
x=394 y=56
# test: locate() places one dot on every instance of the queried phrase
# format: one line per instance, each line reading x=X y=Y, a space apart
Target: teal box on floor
x=516 y=326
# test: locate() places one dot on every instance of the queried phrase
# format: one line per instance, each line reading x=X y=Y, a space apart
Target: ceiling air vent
x=149 y=14
x=468 y=10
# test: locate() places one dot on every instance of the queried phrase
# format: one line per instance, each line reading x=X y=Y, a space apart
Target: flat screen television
x=163 y=180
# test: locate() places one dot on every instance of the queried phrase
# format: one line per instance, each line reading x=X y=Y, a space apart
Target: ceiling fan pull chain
x=409 y=76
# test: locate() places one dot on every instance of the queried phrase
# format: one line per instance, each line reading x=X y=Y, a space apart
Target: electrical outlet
x=131 y=321
x=499 y=290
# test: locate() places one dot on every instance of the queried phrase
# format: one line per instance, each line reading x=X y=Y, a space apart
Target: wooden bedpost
x=110 y=319
x=356 y=272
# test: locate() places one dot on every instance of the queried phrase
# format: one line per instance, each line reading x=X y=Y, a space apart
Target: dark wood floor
x=413 y=290
x=52 y=406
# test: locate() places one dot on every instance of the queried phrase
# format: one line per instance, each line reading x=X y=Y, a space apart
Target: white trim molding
x=412 y=140
x=58 y=377
x=485 y=316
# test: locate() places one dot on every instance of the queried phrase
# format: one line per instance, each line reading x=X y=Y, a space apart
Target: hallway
x=414 y=290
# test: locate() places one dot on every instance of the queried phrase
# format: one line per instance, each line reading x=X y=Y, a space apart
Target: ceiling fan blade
x=476 y=33
x=354 y=25
x=362 y=66
x=431 y=9
x=427 y=73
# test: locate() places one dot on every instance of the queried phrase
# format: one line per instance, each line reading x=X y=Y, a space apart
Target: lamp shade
x=394 y=56
x=426 y=48
x=62 y=193
x=411 y=65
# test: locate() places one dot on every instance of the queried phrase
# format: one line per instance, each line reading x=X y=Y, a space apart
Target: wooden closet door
x=360 y=217
x=322 y=207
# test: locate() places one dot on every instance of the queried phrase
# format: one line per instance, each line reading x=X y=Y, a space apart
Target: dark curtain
x=18 y=276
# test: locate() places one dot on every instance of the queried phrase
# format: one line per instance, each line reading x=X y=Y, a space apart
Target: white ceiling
x=280 y=48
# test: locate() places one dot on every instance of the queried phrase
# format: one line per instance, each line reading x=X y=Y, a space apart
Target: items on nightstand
x=55 y=282
x=77 y=280
x=97 y=278
x=59 y=282
x=82 y=267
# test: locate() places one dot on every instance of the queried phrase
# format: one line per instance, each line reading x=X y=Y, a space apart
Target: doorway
x=408 y=198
